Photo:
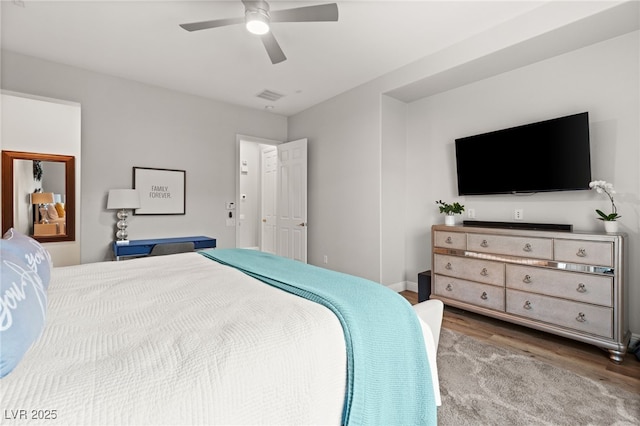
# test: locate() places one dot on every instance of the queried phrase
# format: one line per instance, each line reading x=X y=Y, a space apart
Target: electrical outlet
x=325 y=259
x=518 y=214
x=471 y=213
x=230 y=205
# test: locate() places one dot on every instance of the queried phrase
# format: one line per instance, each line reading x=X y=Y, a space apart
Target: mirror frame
x=69 y=184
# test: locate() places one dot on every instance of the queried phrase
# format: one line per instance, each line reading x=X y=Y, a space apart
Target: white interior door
x=292 y=200
x=269 y=179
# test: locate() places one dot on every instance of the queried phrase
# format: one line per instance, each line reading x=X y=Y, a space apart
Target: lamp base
x=122 y=242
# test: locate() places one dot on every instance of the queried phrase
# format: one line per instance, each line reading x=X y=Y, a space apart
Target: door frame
x=238 y=201
x=271 y=191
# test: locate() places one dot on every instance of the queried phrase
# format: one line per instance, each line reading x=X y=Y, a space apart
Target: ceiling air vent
x=269 y=95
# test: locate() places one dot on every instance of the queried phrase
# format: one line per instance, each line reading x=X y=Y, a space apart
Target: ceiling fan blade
x=319 y=13
x=273 y=48
x=195 y=26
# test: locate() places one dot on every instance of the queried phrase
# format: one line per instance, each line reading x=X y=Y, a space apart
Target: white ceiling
x=142 y=41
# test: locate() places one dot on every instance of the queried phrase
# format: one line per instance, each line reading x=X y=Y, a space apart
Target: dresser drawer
x=595 y=289
x=587 y=252
x=578 y=316
x=452 y=240
x=487 y=296
x=539 y=248
x=480 y=270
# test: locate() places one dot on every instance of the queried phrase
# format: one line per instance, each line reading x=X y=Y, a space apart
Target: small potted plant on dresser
x=609 y=219
x=450 y=210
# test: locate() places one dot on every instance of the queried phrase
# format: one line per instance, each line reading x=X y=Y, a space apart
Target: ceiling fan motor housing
x=257 y=18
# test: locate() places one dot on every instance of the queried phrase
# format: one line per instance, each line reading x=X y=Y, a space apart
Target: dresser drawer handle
x=527 y=247
x=580 y=317
x=581 y=288
x=527 y=279
x=484 y=272
x=448 y=240
x=581 y=252
x=449 y=287
x=484 y=243
x=448 y=266
x=484 y=296
x=527 y=305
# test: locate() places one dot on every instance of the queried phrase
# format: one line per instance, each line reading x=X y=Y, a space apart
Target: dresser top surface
x=572 y=235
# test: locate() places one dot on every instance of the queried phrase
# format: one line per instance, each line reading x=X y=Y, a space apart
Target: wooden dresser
x=567 y=283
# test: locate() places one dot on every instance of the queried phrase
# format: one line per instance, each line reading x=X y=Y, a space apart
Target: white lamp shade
x=42 y=198
x=123 y=199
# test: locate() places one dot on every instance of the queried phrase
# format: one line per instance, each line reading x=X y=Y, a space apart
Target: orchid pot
x=610 y=226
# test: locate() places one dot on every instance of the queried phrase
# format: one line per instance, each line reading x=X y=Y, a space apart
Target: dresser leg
x=617 y=355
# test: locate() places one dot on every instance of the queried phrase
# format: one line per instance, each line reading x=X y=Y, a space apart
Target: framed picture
x=161 y=190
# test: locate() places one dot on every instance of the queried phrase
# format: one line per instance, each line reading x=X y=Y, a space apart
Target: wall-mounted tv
x=551 y=155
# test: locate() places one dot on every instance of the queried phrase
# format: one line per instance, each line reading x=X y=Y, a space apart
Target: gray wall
x=351 y=135
x=394 y=192
x=344 y=181
x=57 y=132
x=603 y=79
x=360 y=128
x=127 y=124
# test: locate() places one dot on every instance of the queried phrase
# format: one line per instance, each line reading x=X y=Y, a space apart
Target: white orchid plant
x=602 y=186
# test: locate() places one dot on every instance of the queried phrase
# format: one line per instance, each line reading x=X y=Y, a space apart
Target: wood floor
x=582 y=358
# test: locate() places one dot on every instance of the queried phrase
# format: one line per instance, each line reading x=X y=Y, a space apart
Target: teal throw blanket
x=388 y=376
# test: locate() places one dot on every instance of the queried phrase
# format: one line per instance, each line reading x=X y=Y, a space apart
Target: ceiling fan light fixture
x=257 y=21
x=257 y=18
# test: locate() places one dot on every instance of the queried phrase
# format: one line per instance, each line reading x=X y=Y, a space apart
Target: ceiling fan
x=258 y=17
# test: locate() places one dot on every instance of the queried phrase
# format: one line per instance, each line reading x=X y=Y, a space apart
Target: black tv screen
x=551 y=155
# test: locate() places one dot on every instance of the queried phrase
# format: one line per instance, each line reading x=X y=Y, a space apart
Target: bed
x=213 y=337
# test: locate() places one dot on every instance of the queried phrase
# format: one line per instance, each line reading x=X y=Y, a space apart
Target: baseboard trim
x=402 y=286
x=397 y=287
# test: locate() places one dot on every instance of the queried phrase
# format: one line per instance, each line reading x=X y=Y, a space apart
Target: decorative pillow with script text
x=24 y=278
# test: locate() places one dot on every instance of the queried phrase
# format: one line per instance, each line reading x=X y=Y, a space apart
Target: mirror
x=52 y=177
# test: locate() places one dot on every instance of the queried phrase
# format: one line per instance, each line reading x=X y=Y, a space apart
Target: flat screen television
x=551 y=155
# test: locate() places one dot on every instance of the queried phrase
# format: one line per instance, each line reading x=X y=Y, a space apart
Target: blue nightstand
x=139 y=248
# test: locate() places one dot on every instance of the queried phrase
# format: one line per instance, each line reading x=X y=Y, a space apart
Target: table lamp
x=39 y=198
x=123 y=200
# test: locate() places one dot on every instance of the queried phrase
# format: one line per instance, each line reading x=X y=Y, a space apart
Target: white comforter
x=177 y=340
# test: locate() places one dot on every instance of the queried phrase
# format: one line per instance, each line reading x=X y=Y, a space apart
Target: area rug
x=482 y=384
